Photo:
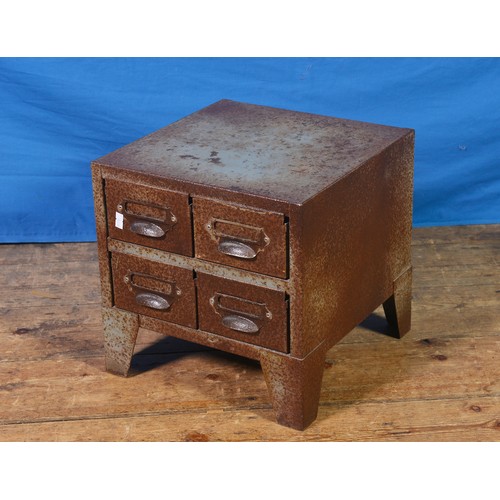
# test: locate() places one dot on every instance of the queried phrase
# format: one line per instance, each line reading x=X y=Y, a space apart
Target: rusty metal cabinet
x=259 y=231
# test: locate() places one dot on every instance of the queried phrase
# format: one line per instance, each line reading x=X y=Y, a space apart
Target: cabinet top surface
x=268 y=152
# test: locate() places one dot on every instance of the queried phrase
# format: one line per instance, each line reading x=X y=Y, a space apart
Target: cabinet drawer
x=240 y=237
x=158 y=290
x=243 y=312
x=149 y=216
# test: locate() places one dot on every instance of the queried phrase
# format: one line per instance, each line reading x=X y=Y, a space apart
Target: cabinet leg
x=397 y=307
x=120 y=334
x=294 y=386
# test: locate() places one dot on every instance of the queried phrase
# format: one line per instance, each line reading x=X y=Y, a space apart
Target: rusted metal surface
x=397 y=307
x=132 y=210
x=202 y=337
x=102 y=233
x=294 y=385
x=220 y=300
x=265 y=151
x=287 y=205
x=239 y=197
x=355 y=241
x=157 y=290
x=120 y=335
x=200 y=266
x=263 y=232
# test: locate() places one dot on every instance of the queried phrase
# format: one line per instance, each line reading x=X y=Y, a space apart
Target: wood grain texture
x=440 y=383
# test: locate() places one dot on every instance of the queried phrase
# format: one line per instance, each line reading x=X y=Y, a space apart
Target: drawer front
x=158 y=290
x=243 y=312
x=149 y=216
x=240 y=237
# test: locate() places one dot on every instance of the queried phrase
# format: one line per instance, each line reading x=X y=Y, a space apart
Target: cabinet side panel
x=356 y=239
x=101 y=229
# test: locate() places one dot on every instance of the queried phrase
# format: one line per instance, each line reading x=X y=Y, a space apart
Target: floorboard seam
x=236 y=409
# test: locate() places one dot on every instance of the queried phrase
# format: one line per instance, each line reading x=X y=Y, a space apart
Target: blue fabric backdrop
x=56 y=115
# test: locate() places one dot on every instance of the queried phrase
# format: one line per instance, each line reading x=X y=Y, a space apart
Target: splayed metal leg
x=397 y=307
x=120 y=335
x=294 y=386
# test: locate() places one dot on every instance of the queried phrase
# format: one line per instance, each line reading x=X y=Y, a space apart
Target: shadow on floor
x=170 y=349
x=377 y=323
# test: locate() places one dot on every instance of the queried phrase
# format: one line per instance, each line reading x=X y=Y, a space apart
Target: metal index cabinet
x=259 y=231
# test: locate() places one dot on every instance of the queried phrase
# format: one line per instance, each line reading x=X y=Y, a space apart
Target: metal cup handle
x=154 y=299
x=147 y=228
x=236 y=248
x=240 y=321
x=236 y=239
x=144 y=225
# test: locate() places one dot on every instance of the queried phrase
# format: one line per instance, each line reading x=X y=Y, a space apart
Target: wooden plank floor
x=440 y=383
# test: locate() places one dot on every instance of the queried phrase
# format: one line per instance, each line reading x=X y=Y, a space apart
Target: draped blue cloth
x=58 y=114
